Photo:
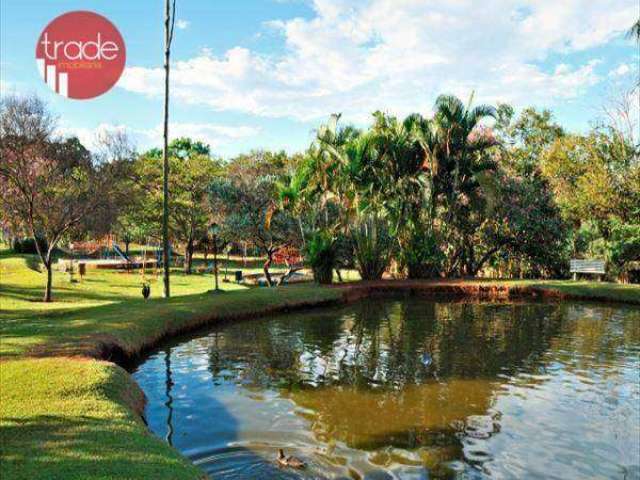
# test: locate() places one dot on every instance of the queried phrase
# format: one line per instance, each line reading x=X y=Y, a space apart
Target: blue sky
x=265 y=73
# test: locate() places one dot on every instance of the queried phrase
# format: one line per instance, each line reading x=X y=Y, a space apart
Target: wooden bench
x=594 y=267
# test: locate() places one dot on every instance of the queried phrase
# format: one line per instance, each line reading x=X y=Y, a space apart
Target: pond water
x=407 y=388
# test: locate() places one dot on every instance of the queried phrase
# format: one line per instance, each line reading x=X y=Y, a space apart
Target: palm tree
x=634 y=32
x=453 y=145
x=399 y=181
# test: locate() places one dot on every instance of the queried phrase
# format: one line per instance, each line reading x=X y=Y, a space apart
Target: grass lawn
x=68 y=418
x=79 y=307
x=63 y=417
x=593 y=290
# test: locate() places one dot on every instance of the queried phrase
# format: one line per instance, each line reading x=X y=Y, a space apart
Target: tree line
x=466 y=191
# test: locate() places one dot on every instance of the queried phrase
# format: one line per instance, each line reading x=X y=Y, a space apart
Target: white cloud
x=357 y=56
x=182 y=24
x=213 y=135
x=621 y=70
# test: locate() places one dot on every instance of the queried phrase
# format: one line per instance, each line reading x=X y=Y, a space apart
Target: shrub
x=372 y=245
x=322 y=256
x=421 y=256
x=28 y=245
x=624 y=247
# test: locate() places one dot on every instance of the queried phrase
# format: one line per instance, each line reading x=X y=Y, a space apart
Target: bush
x=372 y=245
x=421 y=257
x=624 y=247
x=321 y=254
x=28 y=245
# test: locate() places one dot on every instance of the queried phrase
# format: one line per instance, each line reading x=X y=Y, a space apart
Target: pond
x=406 y=388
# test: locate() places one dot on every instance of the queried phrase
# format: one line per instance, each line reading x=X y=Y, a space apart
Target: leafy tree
x=48 y=186
x=246 y=203
x=192 y=171
x=526 y=225
x=183 y=147
x=594 y=178
x=321 y=254
x=624 y=247
x=372 y=247
x=525 y=139
x=321 y=193
x=456 y=149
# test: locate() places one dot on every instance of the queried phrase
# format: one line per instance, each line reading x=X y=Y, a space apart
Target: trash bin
x=238 y=274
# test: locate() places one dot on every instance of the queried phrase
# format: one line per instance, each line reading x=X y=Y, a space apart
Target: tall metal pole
x=168 y=36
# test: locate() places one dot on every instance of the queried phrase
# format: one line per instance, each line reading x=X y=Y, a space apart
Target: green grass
x=83 y=307
x=136 y=323
x=592 y=290
x=69 y=418
x=63 y=419
x=22 y=284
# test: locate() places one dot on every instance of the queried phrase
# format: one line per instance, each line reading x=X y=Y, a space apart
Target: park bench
x=593 y=266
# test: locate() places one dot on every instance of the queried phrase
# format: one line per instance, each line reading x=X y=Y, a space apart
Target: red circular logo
x=80 y=55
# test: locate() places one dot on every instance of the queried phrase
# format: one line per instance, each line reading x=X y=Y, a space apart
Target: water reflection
x=169 y=403
x=409 y=388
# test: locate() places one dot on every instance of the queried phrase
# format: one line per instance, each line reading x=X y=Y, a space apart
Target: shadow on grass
x=132 y=323
x=50 y=446
x=33 y=263
x=60 y=294
x=118 y=446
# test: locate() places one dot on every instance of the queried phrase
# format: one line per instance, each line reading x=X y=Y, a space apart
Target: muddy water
x=407 y=388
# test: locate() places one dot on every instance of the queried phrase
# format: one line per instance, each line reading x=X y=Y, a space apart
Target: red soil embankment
x=478 y=289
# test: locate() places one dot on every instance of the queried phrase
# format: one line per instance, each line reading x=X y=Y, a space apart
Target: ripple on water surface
x=407 y=388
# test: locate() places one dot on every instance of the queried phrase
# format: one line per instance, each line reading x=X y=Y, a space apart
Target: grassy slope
x=79 y=308
x=72 y=418
x=605 y=291
x=62 y=419
x=592 y=290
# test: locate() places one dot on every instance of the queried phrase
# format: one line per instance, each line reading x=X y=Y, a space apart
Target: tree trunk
x=188 y=257
x=46 y=261
x=304 y=243
x=48 y=288
x=126 y=247
x=265 y=268
x=287 y=275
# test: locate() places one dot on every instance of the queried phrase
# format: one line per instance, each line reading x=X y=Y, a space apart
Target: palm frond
x=634 y=31
x=476 y=114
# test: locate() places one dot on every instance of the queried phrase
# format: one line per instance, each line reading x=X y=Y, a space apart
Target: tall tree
x=48 y=186
x=246 y=203
x=192 y=171
x=455 y=149
x=634 y=31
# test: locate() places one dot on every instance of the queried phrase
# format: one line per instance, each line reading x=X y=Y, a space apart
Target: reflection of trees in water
x=169 y=396
x=413 y=406
x=410 y=380
x=476 y=340
x=387 y=344
x=593 y=338
x=413 y=374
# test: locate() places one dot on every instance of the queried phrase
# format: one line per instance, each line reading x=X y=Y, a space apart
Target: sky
x=249 y=74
